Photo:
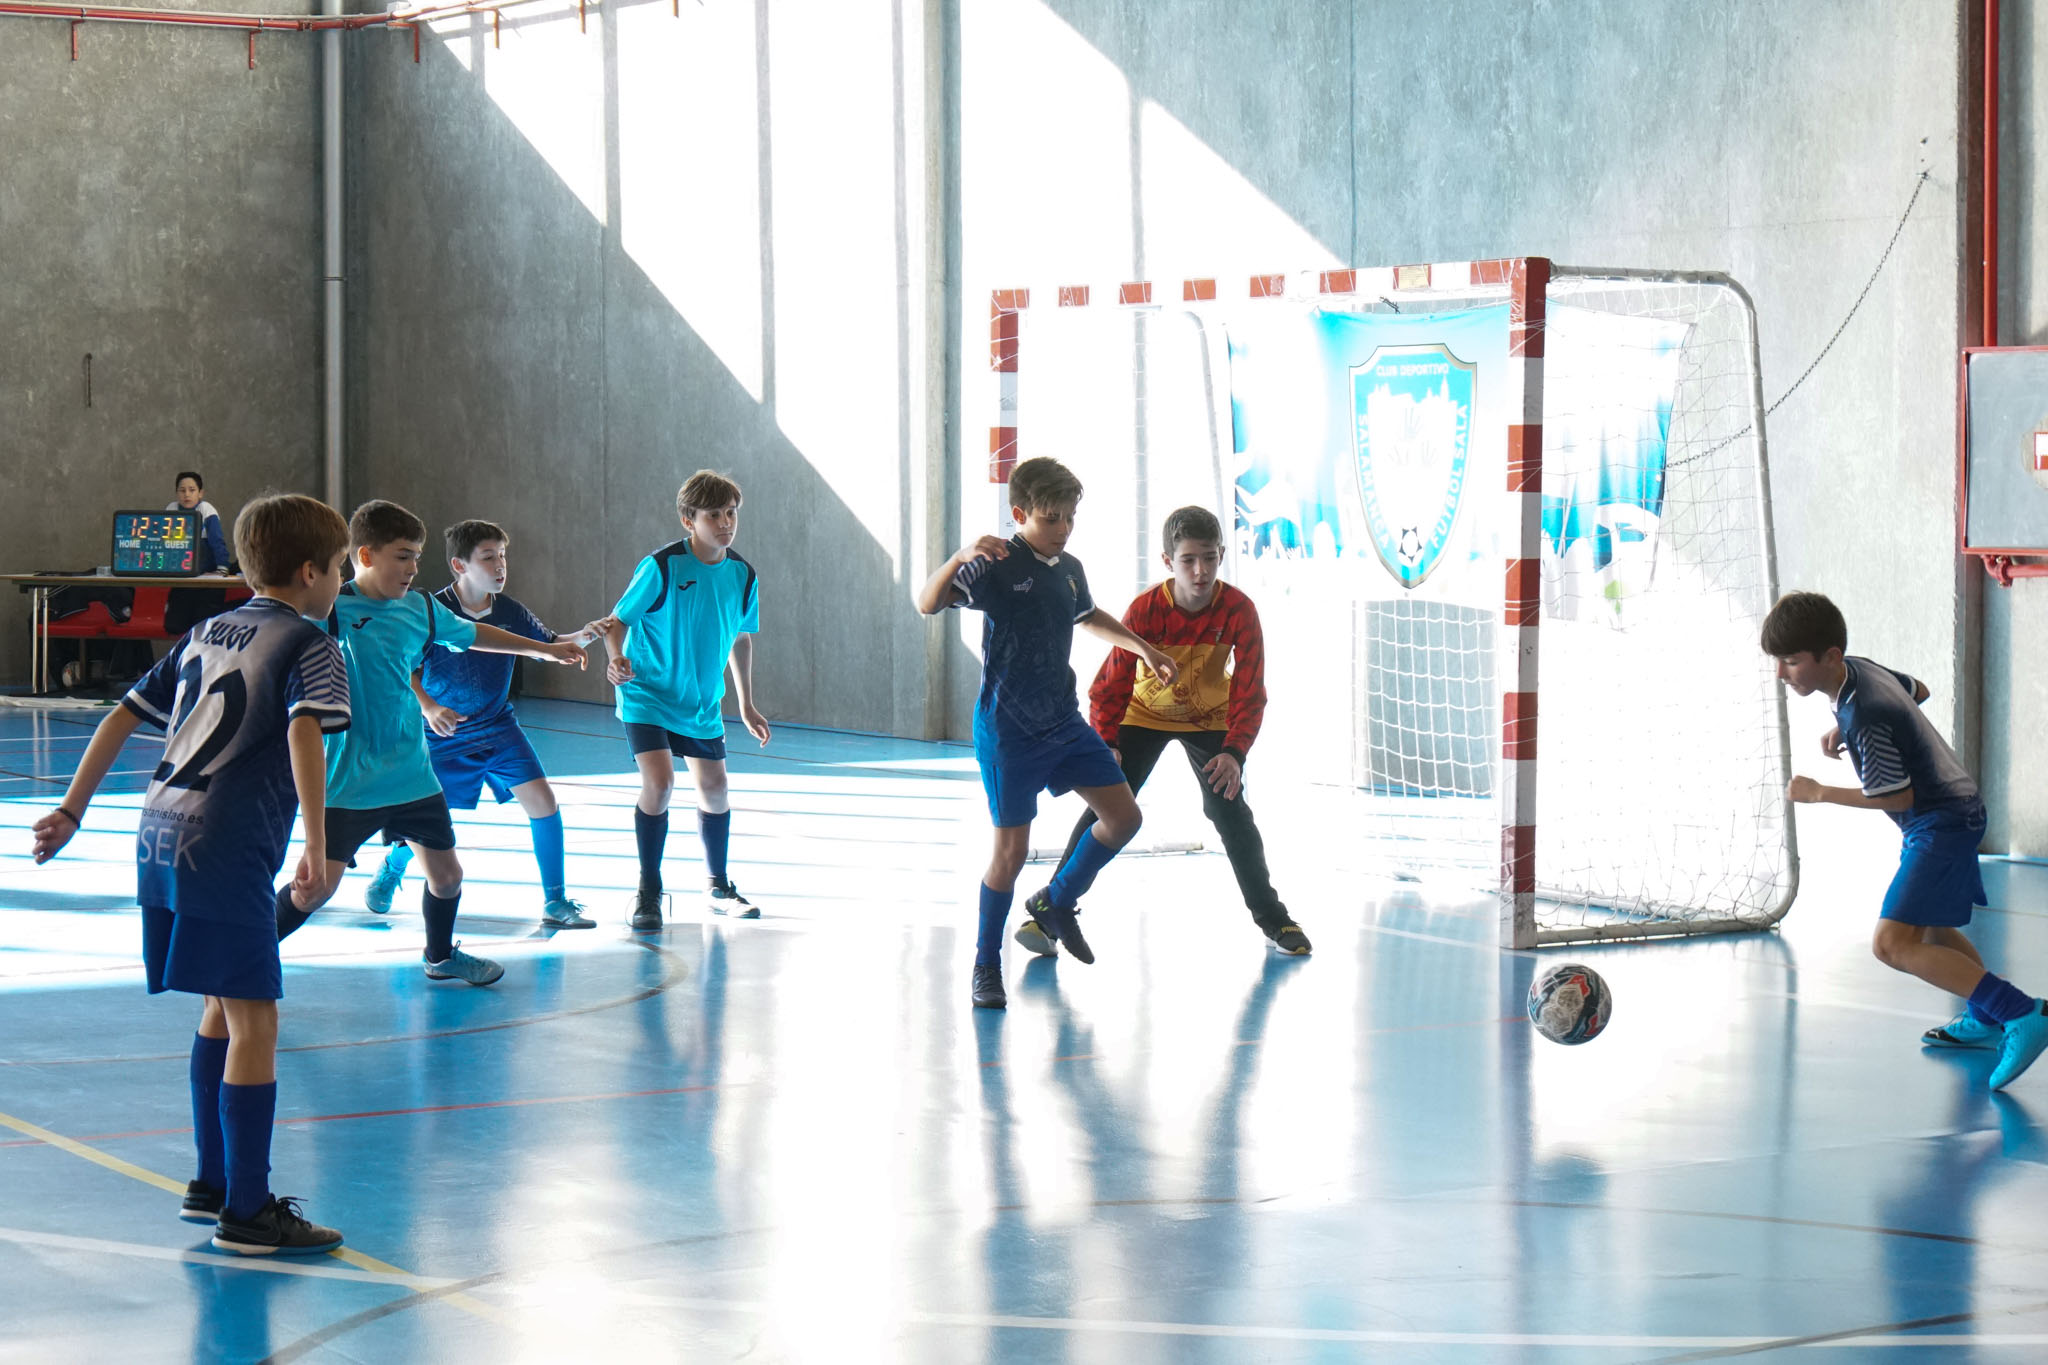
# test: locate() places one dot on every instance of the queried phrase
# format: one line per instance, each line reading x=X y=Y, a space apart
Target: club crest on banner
x=1411 y=428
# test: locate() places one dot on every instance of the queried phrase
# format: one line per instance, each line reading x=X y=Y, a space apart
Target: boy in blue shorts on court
x=244 y=700
x=473 y=735
x=1029 y=734
x=379 y=776
x=690 y=613
x=1905 y=769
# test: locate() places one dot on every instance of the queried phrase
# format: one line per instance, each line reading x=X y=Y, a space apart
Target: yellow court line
x=345 y=1254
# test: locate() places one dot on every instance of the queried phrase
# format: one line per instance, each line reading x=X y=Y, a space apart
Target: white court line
x=319 y=1268
x=1350 y=1336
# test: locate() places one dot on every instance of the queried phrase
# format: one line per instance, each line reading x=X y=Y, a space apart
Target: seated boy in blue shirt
x=1029 y=734
x=244 y=701
x=693 y=607
x=1905 y=769
x=379 y=776
x=473 y=735
x=190 y=496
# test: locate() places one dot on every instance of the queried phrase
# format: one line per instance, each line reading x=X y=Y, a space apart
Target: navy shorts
x=424 y=822
x=647 y=738
x=1938 y=882
x=499 y=757
x=210 y=956
x=1014 y=771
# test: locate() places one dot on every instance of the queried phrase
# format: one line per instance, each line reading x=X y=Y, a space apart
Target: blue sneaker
x=1965 y=1030
x=461 y=966
x=2025 y=1039
x=384 y=885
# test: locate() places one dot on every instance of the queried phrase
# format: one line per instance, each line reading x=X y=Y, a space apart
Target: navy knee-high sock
x=289 y=916
x=246 y=1115
x=1077 y=874
x=995 y=912
x=209 y=1063
x=440 y=915
x=715 y=831
x=650 y=832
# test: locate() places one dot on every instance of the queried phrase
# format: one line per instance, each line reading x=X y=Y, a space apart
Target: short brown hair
x=1803 y=623
x=463 y=538
x=377 y=523
x=1192 y=523
x=707 y=490
x=278 y=532
x=1042 y=483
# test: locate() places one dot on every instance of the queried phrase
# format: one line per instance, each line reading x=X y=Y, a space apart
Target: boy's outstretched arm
x=1103 y=626
x=939 y=591
x=54 y=830
x=1806 y=791
x=491 y=640
x=742 y=665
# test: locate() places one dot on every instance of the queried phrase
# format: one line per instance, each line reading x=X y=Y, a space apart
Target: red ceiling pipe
x=115 y=14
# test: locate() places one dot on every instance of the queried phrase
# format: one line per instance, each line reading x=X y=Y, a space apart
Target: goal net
x=1507 y=527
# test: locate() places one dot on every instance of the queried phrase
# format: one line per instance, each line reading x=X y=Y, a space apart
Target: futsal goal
x=1508 y=528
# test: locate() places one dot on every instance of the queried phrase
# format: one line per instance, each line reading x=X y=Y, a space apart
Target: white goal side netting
x=1356 y=448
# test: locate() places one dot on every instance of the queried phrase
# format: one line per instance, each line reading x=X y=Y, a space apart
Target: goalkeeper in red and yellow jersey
x=1213 y=706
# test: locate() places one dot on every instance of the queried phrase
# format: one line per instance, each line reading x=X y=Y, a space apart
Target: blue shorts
x=1015 y=771
x=647 y=738
x=1938 y=881
x=499 y=757
x=210 y=956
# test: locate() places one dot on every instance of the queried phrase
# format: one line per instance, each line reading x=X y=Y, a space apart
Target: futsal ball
x=1570 y=1004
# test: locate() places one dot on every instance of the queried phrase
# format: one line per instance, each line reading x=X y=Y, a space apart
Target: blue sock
x=650 y=834
x=1998 y=1001
x=548 y=852
x=246 y=1115
x=209 y=1061
x=1078 y=873
x=398 y=858
x=716 y=832
x=995 y=913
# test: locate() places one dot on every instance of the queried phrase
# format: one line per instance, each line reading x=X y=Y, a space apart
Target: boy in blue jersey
x=244 y=701
x=473 y=735
x=1029 y=734
x=688 y=617
x=1905 y=769
x=190 y=496
x=379 y=776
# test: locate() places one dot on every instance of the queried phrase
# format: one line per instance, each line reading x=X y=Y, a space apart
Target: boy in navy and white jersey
x=473 y=734
x=1905 y=769
x=1029 y=734
x=380 y=778
x=191 y=497
x=244 y=701
x=689 y=615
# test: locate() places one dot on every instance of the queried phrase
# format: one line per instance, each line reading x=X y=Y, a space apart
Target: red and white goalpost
x=1500 y=488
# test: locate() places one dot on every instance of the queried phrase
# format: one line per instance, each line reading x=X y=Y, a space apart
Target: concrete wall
x=159 y=209
x=591 y=262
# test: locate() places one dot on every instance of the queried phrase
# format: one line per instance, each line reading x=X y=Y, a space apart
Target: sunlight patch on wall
x=548 y=77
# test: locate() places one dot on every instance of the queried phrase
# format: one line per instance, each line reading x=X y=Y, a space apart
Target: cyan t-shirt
x=681 y=617
x=381 y=759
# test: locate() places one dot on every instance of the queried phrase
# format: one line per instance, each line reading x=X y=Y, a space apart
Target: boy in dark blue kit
x=244 y=701
x=1029 y=735
x=1907 y=770
x=473 y=735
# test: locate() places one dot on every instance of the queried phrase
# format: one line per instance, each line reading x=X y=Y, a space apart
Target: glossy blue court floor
x=793 y=1139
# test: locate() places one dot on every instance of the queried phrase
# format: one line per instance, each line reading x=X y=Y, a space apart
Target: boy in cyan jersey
x=244 y=701
x=1906 y=769
x=473 y=735
x=379 y=776
x=690 y=613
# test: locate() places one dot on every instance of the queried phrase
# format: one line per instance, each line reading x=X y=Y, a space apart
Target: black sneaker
x=1289 y=939
x=988 y=988
x=278 y=1229
x=646 y=911
x=203 y=1203
x=1061 y=924
x=725 y=899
